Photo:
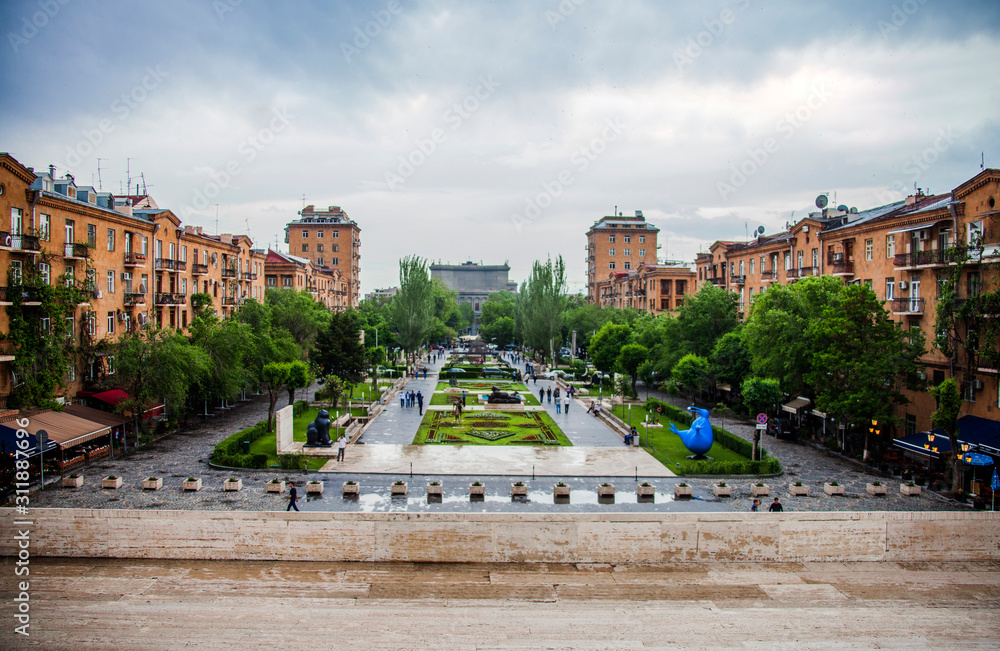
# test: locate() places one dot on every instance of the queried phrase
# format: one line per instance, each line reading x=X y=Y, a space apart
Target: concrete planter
x=274 y=486
x=435 y=489
x=517 y=490
x=189 y=485
x=645 y=491
x=232 y=485
x=683 y=491
x=72 y=482
x=872 y=489
x=722 y=491
x=801 y=490
x=398 y=489
x=477 y=490
x=351 y=488
x=111 y=482
x=830 y=489
x=906 y=489
x=560 y=491
x=314 y=487
x=605 y=491
x=757 y=491
x=152 y=483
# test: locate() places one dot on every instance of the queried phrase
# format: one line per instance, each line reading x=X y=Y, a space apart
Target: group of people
x=631 y=436
x=775 y=507
x=594 y=408
x=409 y=398
x=562 y=399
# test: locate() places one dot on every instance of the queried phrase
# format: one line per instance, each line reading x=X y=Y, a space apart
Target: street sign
x=762 y=426
x=762 y=419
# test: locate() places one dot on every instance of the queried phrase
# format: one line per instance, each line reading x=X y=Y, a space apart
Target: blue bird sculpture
x=697 y=439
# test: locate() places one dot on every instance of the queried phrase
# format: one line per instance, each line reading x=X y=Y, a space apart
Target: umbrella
x=456 y=370
x=976 y=459
x=995 y=485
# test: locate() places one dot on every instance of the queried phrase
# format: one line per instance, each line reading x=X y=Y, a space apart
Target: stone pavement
x=398 y=425
x=160 y=604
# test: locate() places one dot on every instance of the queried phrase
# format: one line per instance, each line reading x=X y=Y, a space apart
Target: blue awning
x=9 y=441
x=979 y=433
x=930 y=444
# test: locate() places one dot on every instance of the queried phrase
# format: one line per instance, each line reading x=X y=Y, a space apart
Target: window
x=46 y=272
x=611 y=265
x=92 y=234
x=305 y=247
x=788 y=261
x=184 y=254
x=334 y=261
x=111 y=281
x=45 y=325
x=611 y=251
x=111 y=322
x=628 y=238
x=319 y=234
x=628 y=265
x=305 y=233
x=799 y=259
x=336 y=234
x=890 y=246
x=336 y=247
x=184 y=286
x=17 y=221
x=173 y=251
x=320 y=262
x=751 y=266
x=890 y=289
x=91 y=324
x=869 y=283
x=159 y=248
x=44 y=227
x=70 y=231
x=763 y=263
x=319 y=248
x=145 y=245
x=642 y=253
x=973 y=284
x=869 y=249
x=71 y=328
x=111 y=239
x=975 y=234
x=286 y=281
x=70 y=275
x=628 y=252
x=741 y=267
x=815 y=258
x=145 y=283
x=911 y=424
x=642 y=239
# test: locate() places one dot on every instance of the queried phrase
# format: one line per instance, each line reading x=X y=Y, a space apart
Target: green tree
x=705 y=317
x=585 y=319
x=298 y=313
x=730 y=360
x=299 y=377
x=333 y=388
x=339 y=350
x=691 y=373
x=275 y=376
x=862 y=358
x=500 y=331
x=153 y=365
x=630 y=358
x=413 y=306
x=607 y=344
x=949 y=406
x=759 y=395
x=541 y=304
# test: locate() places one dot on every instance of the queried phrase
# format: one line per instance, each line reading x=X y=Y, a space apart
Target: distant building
x=618 y=244
x=329 y=238
x=387 y=293
x=652 y=288
x=326 y=285
x=474 y=282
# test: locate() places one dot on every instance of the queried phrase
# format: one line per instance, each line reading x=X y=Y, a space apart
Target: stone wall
x=499 y=537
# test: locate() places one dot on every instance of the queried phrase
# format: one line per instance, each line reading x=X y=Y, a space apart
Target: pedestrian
x=591 y=407
x=293 y=495
x=541 y=395
x=420 y=402
x=402 y=399
x=566 y=404
x=776 y=506
x=597 y=409
x=549 y=392
x=555 y=394
x=341 y=446
x=425 y=372
x=755 y=505
x=558 y=406
x=463 y=398
x=534 y=378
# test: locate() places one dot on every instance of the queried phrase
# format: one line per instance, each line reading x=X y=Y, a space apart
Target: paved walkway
x=398 y=425
x=159 y=604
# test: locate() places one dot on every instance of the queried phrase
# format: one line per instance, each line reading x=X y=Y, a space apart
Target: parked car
x=551 y=375
x=565 y=352
x=781 y=428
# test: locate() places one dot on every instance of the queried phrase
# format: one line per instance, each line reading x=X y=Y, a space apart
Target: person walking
x=293 y=496
x=776 y=506
x=555 y=394
x=341 y=446
x=756 y=505
x=541 y=395
x=420 y=402
x=549 y=392
x=402 y=399
x=558 y=406
x=566 y=404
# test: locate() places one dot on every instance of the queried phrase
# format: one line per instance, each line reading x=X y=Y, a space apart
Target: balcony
x=135 y=298
x=165 y=263
x=169 y=298
x=841 y=267
x=27 y=243
x=8 y=350
x=246 y=275
x=76 y=251
x=135 y=259
x=228 y=273
x=180 y=265
x=231 y=301
x=199 y=269
x=769 y=276
x=29 y=296
x=737 y=280
x=907 y=306
x=719 y=281
x=929 y=259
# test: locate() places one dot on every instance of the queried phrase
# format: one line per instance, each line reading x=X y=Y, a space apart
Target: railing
x=25 y=243
x=135 y=298
x=28 y=294
x=228 y=273
x=940 y=257
x=769 y=275
x=249 y=276
x=168 y=298
x=907 y=306
x=230 y=300
x=133 y=259
x=76 y=250
x=5 y=239
x=180 y=265
x=164 y=263
x=841 y=267
x=717 y=280
x=738 y=279
x=199 y=268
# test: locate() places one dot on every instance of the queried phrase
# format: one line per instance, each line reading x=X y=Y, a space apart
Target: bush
x=767 y=466
x=230 y=453
x=725 y=438
x=292 y=461
x=299 y=407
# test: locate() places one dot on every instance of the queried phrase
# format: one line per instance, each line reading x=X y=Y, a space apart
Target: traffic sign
x=762 y=419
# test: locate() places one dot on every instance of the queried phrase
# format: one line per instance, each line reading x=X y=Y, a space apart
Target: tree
x=333 y=388
x=497 y=320
x=275 y=376
x=949 y=405
x=862 y=358
x=298 y=313
x=629 y=359
x=705 y=317
x=413 y=306
x=585 y=319
x=730 y=360
x=691 y=373
x=607 y=344
x=153 y=365
x=759 y=395
x=227 y=345
x=299 y=377
x=500 y=332
x=541 y=304
x=338 y=348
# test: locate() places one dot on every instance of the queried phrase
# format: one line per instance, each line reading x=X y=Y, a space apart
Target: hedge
x=230 y=453
x=299 y=407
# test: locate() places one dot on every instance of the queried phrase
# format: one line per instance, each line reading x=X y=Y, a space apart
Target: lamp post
x=873 y=430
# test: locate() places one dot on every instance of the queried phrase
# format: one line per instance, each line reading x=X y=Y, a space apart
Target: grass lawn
x=268 y=443
x=472 y=396
x=364 y=391
x=489 y=428
x=666 y=446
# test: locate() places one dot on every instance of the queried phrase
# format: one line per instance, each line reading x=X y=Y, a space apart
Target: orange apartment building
x=329 y=239
x=653 y=288
x=135 y=264
x=618 y=244
x=327 y=285
x=904 y=251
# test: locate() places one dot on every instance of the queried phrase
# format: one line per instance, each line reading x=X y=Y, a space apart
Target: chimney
x=52 y=172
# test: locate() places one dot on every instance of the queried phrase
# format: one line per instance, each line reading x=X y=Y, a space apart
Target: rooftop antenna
x=128 y=173
x=982 y=161
x=216 y=219
x=303 y=200
x=142 y=175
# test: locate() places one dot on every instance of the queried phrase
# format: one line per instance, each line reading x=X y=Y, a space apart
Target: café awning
x=9 y=441
x=979 y=434
x=65 y=429
x=794 y=406
x=929 y=444
x=95 y=415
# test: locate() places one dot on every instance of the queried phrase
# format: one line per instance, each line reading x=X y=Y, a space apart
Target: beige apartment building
x=327 y=285
x=618 y=244
x=652 y=288
x=329 y=239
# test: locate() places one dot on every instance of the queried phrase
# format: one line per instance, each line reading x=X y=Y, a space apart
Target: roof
x=66 y=429
x=111 y=397
x=95 y=415
x=9 y=440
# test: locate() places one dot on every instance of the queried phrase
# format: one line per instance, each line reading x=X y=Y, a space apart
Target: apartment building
x=327 y=285
x=329 y=238
x=653 y=288
x=618 y=244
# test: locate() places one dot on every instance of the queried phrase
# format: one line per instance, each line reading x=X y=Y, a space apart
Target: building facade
x=474 y=282
x=329 y=238
x=326 y=285
x=652 y=288
x=618 y=244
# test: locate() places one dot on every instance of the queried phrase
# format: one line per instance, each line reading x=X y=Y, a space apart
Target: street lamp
x=871 y=430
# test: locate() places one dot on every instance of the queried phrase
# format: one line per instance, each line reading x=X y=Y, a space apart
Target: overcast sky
x=502 y=131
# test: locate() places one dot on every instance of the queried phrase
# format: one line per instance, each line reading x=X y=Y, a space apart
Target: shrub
x=768 y=466
x=437 y=483
x=876 y=483
x=475 y=483
x=292 y=461
x=191 y=479
x=229 y=452
x=721 y=484
x=519 y=483
x=645 y=484
x=834 y=483
x=760 y=483
x=111 y=477
x=721 y=436
x=275 y=481
x=560 y=484
x=798 y=483
x=400 y=482
x=299 y=407
x=151 y=478
x=682 y=485
x=74 y=476
x=232 y=480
